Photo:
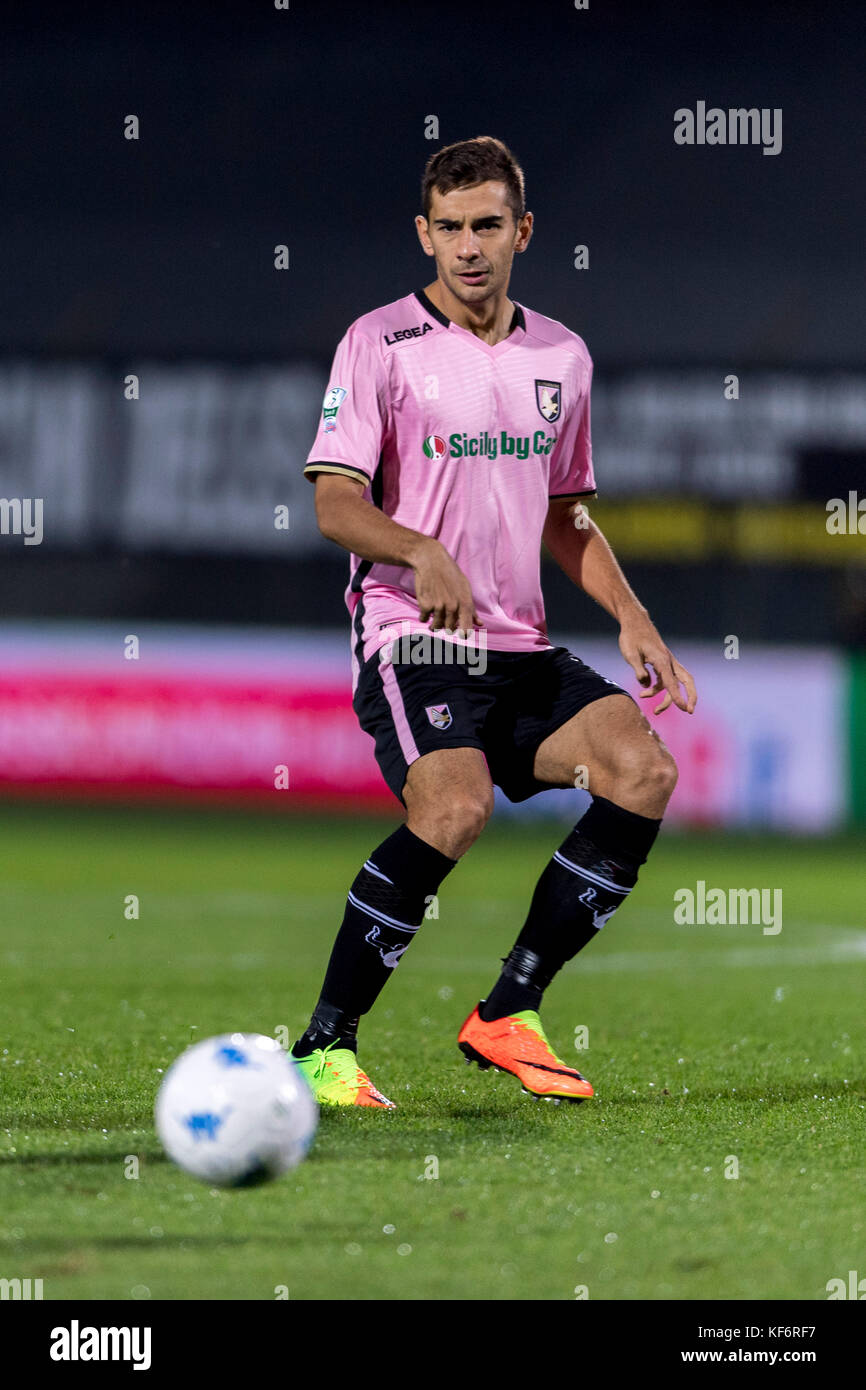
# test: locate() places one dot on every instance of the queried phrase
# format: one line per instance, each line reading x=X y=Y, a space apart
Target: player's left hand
x=642 y=648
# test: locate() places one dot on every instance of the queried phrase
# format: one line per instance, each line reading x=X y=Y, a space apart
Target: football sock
x=385 y=908
x=591 y=873
x=328 y=1025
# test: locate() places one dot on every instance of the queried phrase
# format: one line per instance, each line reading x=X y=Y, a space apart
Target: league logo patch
x=330 y=405
x=439 y=716
x=548 y=398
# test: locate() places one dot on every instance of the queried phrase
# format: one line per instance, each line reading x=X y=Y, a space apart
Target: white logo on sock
x=600 y=914
x=390 y=954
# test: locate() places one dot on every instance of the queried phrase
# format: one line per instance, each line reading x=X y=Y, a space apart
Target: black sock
x=386 y=906
x=592 y=872
x=328 y=1025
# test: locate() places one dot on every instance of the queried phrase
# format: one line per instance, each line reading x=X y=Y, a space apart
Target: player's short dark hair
x=470 y=162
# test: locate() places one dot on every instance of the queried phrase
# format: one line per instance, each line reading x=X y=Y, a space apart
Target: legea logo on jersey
x=330 y=405
x=435 y=447
x=417 y=331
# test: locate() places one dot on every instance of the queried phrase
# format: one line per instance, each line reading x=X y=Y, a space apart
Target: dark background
x=306 y=127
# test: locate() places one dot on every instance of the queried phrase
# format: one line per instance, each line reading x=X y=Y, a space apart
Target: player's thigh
x=448 y=793
x=613 y=741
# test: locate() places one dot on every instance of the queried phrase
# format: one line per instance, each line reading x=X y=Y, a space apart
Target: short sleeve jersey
x=463 y=441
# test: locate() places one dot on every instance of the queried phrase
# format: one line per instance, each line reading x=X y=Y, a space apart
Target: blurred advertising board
x=196 y=457
x=265 y=717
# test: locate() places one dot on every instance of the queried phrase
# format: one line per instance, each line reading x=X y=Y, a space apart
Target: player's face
x=473 y=235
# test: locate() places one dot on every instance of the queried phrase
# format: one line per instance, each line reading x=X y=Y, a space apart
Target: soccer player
x=454 y=439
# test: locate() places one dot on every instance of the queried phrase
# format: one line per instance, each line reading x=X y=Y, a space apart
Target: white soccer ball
x=235 y=1110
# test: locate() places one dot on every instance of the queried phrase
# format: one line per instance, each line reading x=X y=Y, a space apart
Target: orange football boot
x=517 y=1044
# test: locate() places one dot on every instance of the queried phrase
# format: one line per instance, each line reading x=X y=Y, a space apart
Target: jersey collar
x=516 y=330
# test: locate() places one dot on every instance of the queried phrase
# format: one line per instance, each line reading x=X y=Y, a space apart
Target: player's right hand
x=442 y=590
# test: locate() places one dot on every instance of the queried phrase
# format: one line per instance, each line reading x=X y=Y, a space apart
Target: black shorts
x=507 y=710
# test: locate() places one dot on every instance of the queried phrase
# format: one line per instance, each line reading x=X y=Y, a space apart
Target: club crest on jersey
x=435 y=447
x=330 y=405
x=439 y=716
x=548 y=398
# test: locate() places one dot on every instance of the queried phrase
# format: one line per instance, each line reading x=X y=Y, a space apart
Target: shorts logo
x=435 y=447
x=439 y=716
x=548 y=398
x=330 y=405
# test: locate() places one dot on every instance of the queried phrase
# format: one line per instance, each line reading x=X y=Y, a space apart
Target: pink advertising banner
x=266 y=717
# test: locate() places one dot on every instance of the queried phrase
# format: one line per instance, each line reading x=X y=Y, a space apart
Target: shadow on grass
x=333 y=1227
x=81 y=1245
x=60 y=1157
x=769 y=1091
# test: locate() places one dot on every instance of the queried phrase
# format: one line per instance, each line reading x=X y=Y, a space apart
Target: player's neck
x=490 y=321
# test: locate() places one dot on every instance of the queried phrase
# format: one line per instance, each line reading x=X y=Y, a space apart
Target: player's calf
x=587 y=880
x=385 y=908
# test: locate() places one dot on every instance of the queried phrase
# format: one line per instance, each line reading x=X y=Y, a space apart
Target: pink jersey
x=461 y=441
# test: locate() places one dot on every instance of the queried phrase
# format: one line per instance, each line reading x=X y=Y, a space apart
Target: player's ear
x=524 y=231
x=423 y=235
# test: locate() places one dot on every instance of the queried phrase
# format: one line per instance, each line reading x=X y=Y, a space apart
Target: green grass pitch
x=707 y=1044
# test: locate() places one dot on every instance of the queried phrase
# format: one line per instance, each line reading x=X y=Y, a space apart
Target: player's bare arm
x=582 y=552
x=441 y=588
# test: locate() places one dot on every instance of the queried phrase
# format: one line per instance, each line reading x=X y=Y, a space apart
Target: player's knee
x=466 y=816
x=647 y=774
x=662 y=774
x=454 y=823
x=657 y=777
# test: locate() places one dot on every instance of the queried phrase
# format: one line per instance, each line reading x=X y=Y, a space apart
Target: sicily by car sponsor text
x=487 y=445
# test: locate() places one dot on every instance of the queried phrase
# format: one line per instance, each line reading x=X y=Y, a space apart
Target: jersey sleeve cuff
x=347 y=470
x=590 y=493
